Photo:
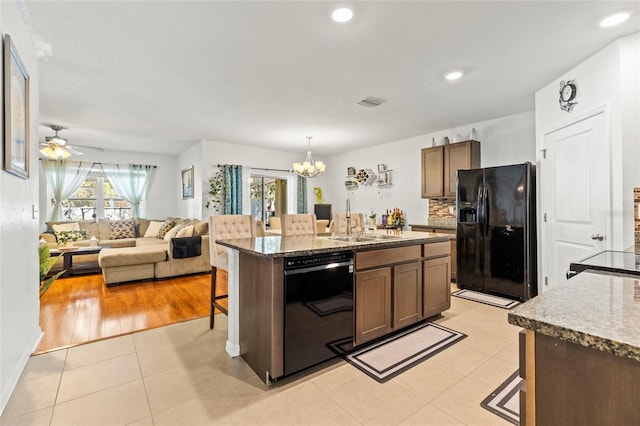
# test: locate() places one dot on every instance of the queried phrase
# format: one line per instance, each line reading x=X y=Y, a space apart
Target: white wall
x=164 y=194
x=19 y=301
x=190 y=207
x=609 y=79
x=504 y=140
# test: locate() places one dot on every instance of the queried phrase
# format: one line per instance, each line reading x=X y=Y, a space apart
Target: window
x=268 y=197
x=96 y=198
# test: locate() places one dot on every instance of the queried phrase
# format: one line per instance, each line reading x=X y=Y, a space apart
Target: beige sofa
x=142 y=256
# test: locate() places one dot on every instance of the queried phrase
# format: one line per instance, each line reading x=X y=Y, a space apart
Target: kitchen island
x=398 y=280
x=581 y=354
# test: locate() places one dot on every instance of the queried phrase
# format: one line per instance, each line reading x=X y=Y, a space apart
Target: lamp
x=55 y=152
x=309 y=168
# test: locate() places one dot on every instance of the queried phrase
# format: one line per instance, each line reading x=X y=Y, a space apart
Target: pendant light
x=309 y=168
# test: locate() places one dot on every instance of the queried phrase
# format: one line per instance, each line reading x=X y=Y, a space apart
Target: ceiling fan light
x=48 y=152
x=58 y=140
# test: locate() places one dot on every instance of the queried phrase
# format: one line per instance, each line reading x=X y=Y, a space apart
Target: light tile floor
x=181 y=375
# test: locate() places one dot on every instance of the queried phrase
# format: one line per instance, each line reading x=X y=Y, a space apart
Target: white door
x=575 y=195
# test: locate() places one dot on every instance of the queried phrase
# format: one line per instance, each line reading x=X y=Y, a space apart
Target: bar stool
x=299 y=224
x=222 y=227
x=340 y=223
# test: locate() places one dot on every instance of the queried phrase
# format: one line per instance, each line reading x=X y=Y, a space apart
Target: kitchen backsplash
x=440 y=207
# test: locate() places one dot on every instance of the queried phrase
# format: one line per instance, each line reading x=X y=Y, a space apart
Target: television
x=322 y=211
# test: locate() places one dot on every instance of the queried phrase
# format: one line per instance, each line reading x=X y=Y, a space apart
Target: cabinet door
x=407 y=294
x=437 y=286
x=432 y=172
x=454 y=259
x=459 y=156
x=372 y=304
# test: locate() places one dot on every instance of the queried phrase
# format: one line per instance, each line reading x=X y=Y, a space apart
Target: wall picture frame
x=186 y=183
x=16 y=111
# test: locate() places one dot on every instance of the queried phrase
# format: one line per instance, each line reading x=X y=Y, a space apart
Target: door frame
x=542 y=197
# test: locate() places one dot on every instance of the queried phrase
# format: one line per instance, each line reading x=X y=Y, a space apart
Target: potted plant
x=66 y=237
x=372 y=217
x=46 y=263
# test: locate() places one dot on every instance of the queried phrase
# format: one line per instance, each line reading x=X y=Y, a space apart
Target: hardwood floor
x=82 y=309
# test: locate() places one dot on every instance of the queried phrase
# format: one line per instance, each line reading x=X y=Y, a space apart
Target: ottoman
x=130 y=263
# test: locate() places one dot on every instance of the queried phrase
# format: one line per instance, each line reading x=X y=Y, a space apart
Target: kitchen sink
x=364 y=238
x=352 y=238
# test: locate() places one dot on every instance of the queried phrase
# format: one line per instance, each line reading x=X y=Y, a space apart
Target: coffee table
x=70 y=268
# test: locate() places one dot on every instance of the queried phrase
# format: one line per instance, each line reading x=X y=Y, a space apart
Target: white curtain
x=64 y=178
x=131 y=182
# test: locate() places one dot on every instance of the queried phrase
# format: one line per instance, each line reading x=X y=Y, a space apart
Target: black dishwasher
x=318 y=307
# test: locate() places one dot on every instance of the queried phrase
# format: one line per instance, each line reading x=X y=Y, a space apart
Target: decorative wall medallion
x=568 y=92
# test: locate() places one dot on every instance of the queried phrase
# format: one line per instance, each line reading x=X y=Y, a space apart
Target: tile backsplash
x=439 y=207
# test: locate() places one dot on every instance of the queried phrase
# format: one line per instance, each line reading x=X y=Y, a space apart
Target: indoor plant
x=372 y=217
x=65 y=237
x=46 y=263
x=216 y=190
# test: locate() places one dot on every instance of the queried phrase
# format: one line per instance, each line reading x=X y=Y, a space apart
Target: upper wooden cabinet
x=440 y=164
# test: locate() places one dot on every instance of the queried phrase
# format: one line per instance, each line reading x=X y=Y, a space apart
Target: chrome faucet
x=348 y=217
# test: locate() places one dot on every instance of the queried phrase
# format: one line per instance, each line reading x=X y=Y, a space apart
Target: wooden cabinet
x=452 y=243
x=432 y=172
x=397 y=287
x=373 y=301
x=436 y=270
x=441 y=163
x=437 y=286
x=407 y=294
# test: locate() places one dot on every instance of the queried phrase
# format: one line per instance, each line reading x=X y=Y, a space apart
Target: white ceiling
x=153 y=76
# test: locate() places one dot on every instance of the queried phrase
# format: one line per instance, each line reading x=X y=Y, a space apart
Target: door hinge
x=546 y=280
x=544 y=217
x=544 y=153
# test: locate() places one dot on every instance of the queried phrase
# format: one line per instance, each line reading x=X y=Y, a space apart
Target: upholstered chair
x=321 y=225
x=259 y=228
x=299 y=224
x=224 y=227
x=340 y=223
x=274 y=223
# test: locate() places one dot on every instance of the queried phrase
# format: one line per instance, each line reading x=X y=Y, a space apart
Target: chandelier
x=309 y=168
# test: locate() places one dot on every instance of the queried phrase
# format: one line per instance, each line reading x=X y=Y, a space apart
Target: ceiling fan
x=56 y=147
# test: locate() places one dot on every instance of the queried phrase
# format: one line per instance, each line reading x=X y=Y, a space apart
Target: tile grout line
x=144 y=383
x=55 y=400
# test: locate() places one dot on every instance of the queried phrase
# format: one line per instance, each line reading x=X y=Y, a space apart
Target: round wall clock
x=568 y=92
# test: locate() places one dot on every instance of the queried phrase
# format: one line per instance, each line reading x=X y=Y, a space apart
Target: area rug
x=489 y=299
x=505 y=400
x=331 y=305
x=385 y=359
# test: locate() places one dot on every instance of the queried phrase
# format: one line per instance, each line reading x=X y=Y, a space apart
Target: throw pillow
x=166 y=225
x=172 y=232
x=72 y=226
x=136 y=230
x=122 y=229
x=187 y=231
x=153 y=229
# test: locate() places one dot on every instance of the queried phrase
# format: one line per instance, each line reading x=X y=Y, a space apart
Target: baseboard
x=9 y=386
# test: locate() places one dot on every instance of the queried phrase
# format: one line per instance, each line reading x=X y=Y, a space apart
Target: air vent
x=370 y=102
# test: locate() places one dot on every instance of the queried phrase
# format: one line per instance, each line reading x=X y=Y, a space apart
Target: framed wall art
x=187 y=183
x=16 y=112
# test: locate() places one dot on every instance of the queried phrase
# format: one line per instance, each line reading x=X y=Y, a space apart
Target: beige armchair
x=339 y=223
x=299 y=224
x=225 y=227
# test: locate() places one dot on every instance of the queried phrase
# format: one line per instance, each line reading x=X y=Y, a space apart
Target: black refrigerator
x=496 y=231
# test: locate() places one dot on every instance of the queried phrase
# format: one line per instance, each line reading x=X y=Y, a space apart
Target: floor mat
x=489 y=299
x=505 y=400
x=385 y=359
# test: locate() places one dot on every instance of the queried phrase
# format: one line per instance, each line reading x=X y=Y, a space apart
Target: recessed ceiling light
x=342 y=14
x=614 y=19
x=453 y=75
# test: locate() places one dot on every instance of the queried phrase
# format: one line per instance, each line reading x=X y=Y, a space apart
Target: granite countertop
x=278 y=246
x=593 y=309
